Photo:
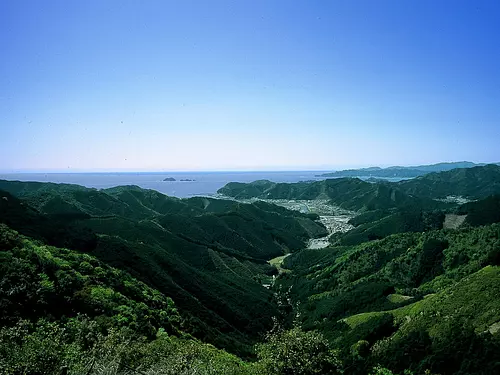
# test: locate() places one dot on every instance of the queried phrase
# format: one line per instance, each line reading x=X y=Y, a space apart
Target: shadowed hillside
x=481 y=212
x=206 y=254
x=67 y=312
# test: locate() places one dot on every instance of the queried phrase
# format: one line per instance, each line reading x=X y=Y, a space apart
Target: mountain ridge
x=400 y=171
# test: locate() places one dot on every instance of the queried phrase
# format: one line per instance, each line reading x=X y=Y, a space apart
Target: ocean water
x=206 y=183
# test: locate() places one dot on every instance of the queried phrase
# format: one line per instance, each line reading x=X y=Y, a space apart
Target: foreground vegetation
x=67 y=312
x=419 y=301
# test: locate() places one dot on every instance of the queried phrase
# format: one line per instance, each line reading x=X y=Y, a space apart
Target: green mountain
x=60 y=282
x=386 y=208
x=473 y=183
x=423 y=301
x=400 y=172
x=208 y=255
x=383 y=209
x=351 y=193
x=378 y=224
x=348 y=193
x=68 y=312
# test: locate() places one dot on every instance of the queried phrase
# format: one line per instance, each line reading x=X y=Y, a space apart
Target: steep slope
x=67 y=312
x=62 y=231
x=389 y=222
x=454 y=331
x=420 y=300
x=369 y=299
x=458 y=325
x=40 y=281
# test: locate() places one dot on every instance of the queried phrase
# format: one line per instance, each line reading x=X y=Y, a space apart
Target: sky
x=100 y=85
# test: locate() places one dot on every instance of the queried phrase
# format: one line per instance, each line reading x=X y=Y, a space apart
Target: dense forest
x=130 y=281
x=195 y=250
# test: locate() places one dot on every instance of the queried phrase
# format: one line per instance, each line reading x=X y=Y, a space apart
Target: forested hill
x=386 y=208
x=428 y=302
x=473 y=183
x=208 y=255
x=67 y=312
x=348 y=193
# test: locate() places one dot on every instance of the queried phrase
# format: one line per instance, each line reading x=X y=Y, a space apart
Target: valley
x=334 y=218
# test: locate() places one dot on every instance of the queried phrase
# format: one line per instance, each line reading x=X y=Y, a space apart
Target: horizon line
x=164 y=172
x=323 y=168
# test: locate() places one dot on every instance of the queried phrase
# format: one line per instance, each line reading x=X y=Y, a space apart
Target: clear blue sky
x=215 y=85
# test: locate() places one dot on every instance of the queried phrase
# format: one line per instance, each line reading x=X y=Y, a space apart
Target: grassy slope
x=374 y=291
x=452 y=331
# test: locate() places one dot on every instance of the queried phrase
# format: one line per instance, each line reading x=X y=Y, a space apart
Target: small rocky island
x=170 y=179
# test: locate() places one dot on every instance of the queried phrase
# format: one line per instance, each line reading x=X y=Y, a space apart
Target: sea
x=204 y=183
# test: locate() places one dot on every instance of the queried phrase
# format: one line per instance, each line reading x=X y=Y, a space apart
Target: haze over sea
x=206 y=183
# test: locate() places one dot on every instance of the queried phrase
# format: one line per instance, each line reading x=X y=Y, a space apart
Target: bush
x=295 y=352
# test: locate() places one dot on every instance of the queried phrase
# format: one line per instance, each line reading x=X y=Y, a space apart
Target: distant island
x=399 y=171
x=170 y=179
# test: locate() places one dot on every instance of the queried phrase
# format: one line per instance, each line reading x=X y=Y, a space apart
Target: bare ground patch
x=453 y=221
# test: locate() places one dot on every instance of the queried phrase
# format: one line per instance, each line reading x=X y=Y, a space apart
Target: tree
x=295 y=352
